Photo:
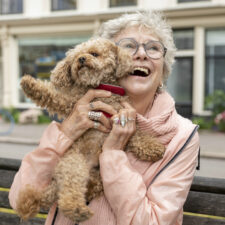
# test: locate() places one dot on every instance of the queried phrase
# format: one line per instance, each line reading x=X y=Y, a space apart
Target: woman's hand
x=124 y=126
x=79 y=120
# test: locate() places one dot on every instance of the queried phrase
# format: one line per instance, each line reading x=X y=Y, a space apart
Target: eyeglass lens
x=153 y=49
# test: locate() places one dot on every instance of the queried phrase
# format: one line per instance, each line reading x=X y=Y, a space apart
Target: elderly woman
x=135 y=192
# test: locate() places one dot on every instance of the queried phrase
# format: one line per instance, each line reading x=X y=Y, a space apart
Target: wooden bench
x=8 y=169
x=205 y=203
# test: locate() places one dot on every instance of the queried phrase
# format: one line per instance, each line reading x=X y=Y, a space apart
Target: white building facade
x=35 y=34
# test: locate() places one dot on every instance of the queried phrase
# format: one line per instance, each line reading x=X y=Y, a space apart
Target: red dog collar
x=114 y=89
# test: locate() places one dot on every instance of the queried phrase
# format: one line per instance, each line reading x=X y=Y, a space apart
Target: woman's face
x=136 y=85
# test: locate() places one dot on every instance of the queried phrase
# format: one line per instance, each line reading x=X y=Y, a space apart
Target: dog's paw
x=27 y=83
x=28 y=203
x=77 y=213
x=155 y=151
x=146 y=148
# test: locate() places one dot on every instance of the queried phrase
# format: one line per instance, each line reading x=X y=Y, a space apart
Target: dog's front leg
x=44 y=94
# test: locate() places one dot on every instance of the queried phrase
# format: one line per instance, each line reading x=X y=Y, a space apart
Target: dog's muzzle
x=82 y=60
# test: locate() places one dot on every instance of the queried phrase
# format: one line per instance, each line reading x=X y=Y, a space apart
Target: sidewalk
x=212 y=143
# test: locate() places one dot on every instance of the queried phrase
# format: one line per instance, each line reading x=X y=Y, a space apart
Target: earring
x=160 y=88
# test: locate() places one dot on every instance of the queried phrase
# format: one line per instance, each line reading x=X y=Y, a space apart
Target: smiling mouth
x=141 y=72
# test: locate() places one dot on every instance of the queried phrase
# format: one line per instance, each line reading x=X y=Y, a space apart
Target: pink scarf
x=161 y=121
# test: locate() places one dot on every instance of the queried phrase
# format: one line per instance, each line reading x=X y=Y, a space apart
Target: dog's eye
x=94 y=54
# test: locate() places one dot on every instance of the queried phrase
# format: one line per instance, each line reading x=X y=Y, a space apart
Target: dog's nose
x=82 y=60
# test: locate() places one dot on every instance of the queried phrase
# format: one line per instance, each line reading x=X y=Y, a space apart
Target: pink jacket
x=135 y=192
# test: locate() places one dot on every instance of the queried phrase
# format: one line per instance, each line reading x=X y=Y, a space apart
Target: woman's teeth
x=140 y=71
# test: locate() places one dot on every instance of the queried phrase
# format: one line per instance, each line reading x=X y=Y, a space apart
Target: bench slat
x=4 y=200
x=12 y=219
x=9 y=164
x=6 y=178
x=205 y=203
x=192 y=220
x=206 y=184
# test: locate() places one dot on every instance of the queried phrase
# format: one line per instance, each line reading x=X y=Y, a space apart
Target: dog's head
x=91 y=63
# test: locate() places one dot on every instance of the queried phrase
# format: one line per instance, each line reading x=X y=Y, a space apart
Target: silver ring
x=130 y=119
x=91 y=105
x=123 y=120
x=92 y=115
x=96 y=125
x=116 y=120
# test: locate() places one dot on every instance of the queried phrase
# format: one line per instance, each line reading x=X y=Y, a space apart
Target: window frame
x=187 y=54
x=12 y=13
x=193 y=43
x=191 y=1
x=59 y=10
x=25 y=104
x=116 y=6
x=210 y=57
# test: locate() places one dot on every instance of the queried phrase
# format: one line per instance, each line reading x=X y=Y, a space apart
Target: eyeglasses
x=153 y=49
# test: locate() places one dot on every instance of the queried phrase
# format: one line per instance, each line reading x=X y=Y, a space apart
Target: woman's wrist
x=66 y=131
x=70 y=129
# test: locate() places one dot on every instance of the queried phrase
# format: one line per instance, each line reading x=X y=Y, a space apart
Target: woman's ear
x=124 y=63
x=61 y=74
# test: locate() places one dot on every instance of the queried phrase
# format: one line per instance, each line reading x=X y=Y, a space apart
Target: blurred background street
x=25 y=138
x=35 y=35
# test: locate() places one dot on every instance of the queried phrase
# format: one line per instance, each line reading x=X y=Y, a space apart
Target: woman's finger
x=100 y=127
x=127 y=105
x=123 y=117
x=99 y=116
x=131 y=112
x=92 y=94
x=101 y=106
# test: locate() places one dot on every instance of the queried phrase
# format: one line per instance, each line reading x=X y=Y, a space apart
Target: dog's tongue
x=114 y=89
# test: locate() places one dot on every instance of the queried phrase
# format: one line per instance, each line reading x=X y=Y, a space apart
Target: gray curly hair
x=152 y=20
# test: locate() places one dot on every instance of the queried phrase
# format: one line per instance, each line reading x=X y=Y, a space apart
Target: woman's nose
x=140 y=54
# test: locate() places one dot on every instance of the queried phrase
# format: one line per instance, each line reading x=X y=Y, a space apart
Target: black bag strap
x=177 y=154
x=55 y=215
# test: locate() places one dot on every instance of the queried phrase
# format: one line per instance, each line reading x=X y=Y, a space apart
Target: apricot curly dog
x=76 y=179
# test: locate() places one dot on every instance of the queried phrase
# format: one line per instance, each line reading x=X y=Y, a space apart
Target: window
x=183 y=39
x=181 y=1
x=11 y=6
x=38 y=56
x=1 y=78
x=118 y=3
x=215 y=60
x=64 y=5
x=179 y=83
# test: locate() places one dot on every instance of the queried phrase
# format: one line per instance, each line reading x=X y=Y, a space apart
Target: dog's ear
x=124 y=63
x=61 y=74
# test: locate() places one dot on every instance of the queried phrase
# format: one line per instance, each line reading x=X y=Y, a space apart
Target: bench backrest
x=205 y=203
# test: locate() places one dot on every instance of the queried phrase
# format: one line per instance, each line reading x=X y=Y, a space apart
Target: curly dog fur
x=76 y=179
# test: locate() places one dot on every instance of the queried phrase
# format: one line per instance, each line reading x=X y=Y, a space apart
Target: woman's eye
x=129 y=46
x=153 y=48
x=94 y=54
